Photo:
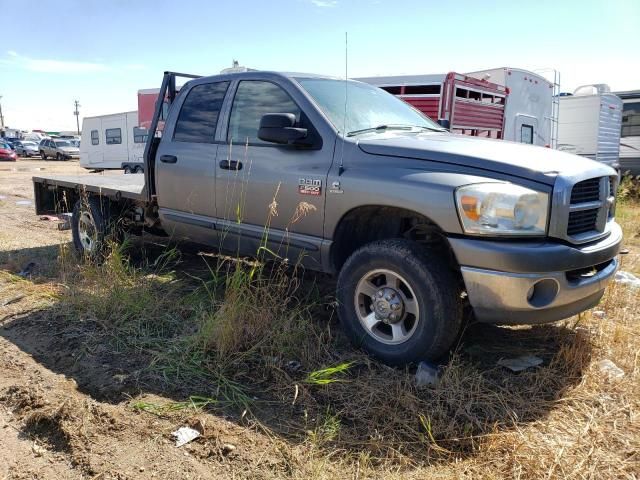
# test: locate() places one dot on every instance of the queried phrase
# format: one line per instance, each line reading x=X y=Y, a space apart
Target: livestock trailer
x=113 y=142
x=590 y=123
x=459 y=102
x=530 y=115
x=630 y=133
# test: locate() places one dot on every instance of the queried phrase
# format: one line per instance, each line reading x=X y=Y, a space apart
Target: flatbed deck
x=123 y=186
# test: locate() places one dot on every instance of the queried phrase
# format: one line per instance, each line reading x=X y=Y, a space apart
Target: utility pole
x=77 y=114
x=1 y=116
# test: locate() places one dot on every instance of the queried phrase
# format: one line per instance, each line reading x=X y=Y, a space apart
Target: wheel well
x=375 y=222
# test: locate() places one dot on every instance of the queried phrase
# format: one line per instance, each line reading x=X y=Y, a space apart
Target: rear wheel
x=399 y=302
x=91 y=226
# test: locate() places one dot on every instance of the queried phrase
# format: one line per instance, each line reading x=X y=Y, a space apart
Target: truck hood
x=534 y=163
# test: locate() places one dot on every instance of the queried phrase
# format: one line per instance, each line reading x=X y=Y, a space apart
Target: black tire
x=433 y=284
x=127 y=170
x=99 y=212
x=43 y=155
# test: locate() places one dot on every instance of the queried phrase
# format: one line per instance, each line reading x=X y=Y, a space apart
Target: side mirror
x=279 y=128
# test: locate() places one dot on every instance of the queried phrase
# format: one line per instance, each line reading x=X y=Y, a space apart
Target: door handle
x=231 y=165
x=168 y=159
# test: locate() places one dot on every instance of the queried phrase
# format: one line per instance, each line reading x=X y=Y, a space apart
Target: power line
x=1 y=116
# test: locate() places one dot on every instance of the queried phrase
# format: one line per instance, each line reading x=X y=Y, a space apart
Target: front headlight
x=502 y=209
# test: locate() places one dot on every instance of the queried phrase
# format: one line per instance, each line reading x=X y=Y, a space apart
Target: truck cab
x=419 y=225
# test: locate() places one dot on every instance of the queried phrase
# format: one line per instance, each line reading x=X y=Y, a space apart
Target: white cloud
x=61 y=66
x=325 y=3
x=52 y=66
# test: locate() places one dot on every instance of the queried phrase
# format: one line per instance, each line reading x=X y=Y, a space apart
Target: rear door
x=51 y=148
x=268 y=194
x=115 y=148
x=185 y=165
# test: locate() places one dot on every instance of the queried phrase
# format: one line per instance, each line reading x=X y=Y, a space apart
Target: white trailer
x=589 y=124
x=529 y=115
x=630 y=135
x=113 y=142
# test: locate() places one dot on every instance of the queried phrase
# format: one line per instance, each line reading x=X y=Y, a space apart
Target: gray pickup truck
x=419 y=225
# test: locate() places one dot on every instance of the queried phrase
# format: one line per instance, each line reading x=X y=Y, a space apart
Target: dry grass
x=253 y=341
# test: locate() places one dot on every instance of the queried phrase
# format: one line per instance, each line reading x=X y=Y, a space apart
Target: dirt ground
x=74 y=406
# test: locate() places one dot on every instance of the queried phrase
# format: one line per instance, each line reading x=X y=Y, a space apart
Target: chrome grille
x=586 y=191
x=582 y=205
x=589 y=209
x=582 y=221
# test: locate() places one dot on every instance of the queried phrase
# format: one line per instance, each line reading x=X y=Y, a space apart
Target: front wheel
x=43 y=155
x=399 y=301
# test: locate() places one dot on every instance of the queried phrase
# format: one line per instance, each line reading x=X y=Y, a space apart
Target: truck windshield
x=369 y=109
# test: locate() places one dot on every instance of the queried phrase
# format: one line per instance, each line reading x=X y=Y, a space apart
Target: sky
x=102 y=52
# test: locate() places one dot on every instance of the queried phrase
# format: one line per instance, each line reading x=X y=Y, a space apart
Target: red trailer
x=146 y=106
x=461 y=103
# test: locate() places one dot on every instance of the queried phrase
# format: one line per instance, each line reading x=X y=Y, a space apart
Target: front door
x=185 y=163
x=270 y=196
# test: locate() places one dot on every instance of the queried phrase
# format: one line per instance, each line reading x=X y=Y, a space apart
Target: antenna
x=346 y=92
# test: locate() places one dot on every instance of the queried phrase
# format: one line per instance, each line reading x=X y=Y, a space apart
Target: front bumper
x=528 y=283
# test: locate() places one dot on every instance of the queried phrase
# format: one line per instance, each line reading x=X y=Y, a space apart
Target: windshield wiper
x=382 y=128
x=379 y=128
x=431 y=129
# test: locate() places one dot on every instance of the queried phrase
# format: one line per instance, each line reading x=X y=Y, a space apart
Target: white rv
x=529 y=115
x=630 y=134
x=113 y=142
x=590 y=122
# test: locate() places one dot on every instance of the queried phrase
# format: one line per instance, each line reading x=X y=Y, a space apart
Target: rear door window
x=95 y=138
x=199 y=114
x=526 y=134
x=253 y=100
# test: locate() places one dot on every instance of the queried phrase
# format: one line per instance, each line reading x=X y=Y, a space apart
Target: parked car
x=58 y=149
x=6 y=152
x=11 y=141
x=26 y=148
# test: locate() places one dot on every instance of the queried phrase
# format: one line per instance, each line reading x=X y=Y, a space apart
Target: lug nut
x=395 y=306
x=392 y=316
x=380 y=293
x=387 y=298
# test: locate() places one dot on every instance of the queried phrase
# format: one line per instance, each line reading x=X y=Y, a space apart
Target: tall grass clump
x=629 y=188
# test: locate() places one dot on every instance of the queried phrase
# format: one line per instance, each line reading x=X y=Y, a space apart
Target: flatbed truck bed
x=56 y=193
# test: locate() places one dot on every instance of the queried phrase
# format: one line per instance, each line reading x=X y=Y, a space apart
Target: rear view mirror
x=279 y=128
